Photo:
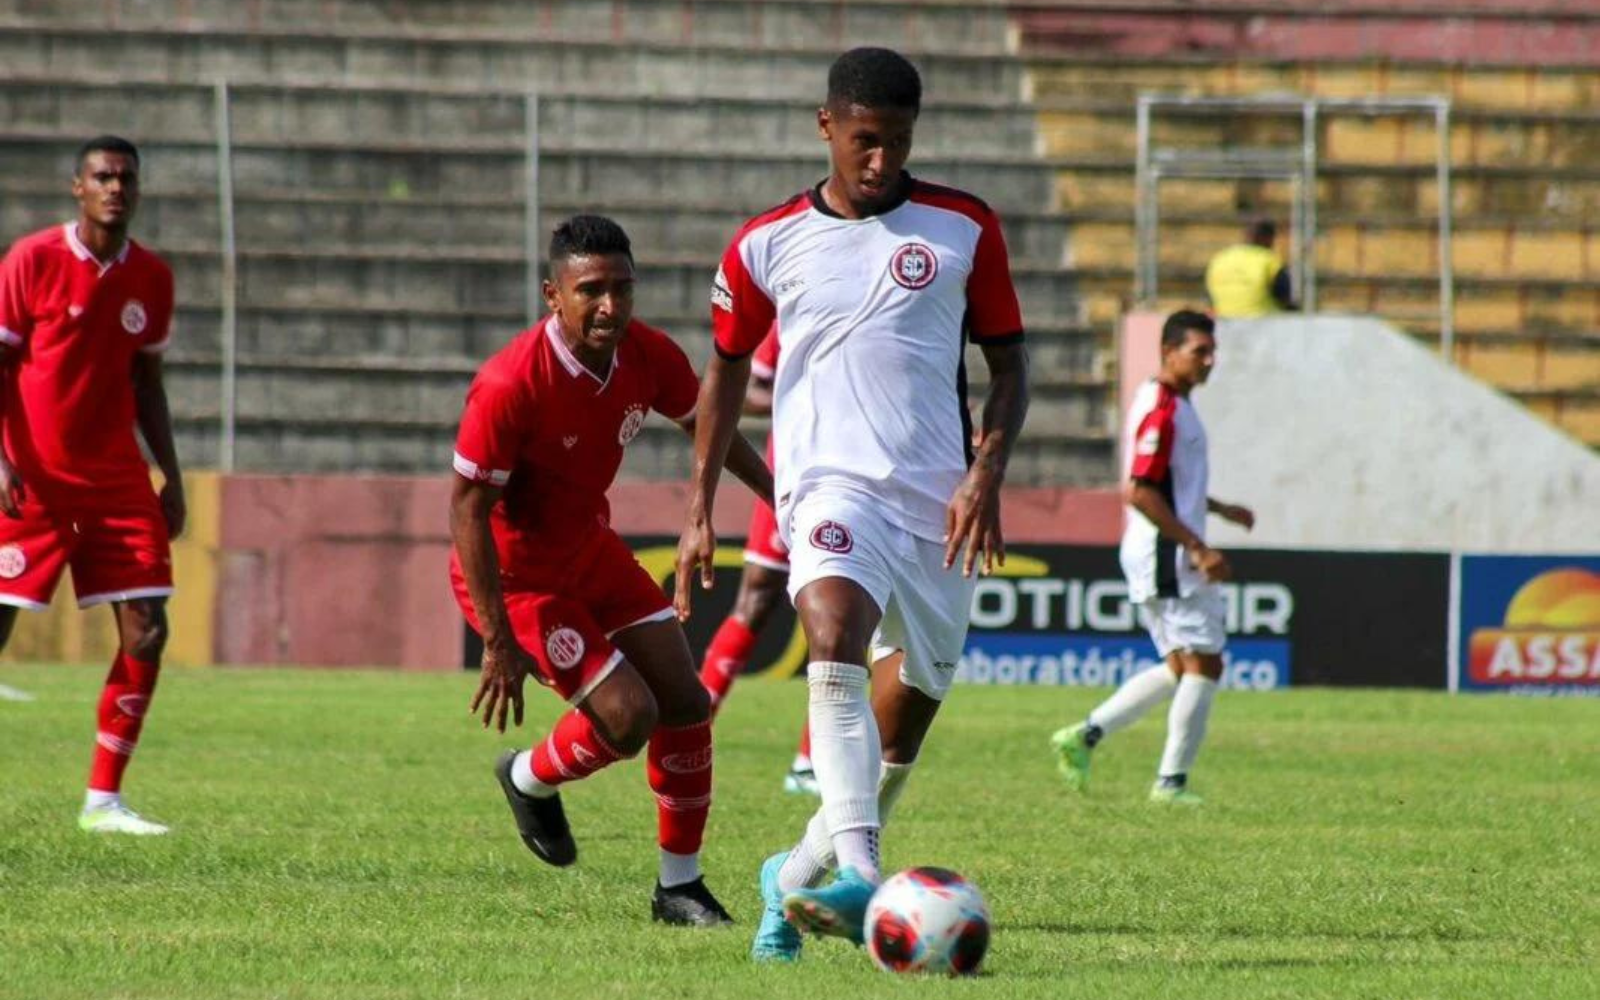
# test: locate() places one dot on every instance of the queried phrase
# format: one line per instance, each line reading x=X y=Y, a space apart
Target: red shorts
x=116 y=546
x=565 y=616
x=763 y=547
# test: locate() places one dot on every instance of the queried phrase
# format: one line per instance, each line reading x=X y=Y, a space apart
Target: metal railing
x=1296 y=165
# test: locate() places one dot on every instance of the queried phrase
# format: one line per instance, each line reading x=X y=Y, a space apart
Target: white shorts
x=1193 y=624
x=925 y=607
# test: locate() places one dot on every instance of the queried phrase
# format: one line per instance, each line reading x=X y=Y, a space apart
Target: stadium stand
x=1523 y=77
x=379 y=170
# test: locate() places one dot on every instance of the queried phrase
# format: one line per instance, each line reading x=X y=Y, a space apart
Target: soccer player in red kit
x=553 y=590
x=766 y=574
x=85 y=313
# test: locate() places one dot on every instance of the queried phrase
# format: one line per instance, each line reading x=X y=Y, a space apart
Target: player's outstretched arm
x=1233 y=513
x=505 y=663
x=715 y=421
x=1147 y=500
x=155 y=424
x=972 y=521
x=744 y=462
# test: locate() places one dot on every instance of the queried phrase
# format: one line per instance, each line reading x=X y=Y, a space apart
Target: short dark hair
x=1263 y=231
x=587 y=236
x=1176 y=329
x=874 y=78
x=108 y=144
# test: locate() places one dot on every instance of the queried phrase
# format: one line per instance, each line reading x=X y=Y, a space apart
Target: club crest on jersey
x=12 y=562
x=631 y=422
x=565 y=647
x=831 y=536
x=134 y=317
x=914 y=266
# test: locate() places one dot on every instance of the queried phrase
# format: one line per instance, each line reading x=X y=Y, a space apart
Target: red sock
x=805 y=738
x=573 y=750
x=729 y=651
x=680 y=775
x=123 y=702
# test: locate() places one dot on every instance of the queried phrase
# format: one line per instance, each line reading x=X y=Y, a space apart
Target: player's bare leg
x=679 y=768
x=129 y=687
x=839 y=618
x=8 y=618
x=1186 y=725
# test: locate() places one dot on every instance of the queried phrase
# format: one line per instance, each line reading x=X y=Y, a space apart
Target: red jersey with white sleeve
x=1165 y=446
x=552 y=433
x=872 y=317
x=75 y=325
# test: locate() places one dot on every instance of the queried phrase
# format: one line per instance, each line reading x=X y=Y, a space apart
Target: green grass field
x=339 y=835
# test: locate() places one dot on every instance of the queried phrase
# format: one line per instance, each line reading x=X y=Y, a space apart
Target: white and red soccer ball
x=928 y=920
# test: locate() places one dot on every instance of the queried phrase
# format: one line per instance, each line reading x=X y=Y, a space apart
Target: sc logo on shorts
x=831 y=536
x=914 y=266
x=565 y=647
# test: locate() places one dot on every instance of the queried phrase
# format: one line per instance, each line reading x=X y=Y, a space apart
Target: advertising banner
x=1528 y=625
x=1059 y=615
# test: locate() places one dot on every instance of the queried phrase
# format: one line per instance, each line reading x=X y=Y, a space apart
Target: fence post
x=230 y=280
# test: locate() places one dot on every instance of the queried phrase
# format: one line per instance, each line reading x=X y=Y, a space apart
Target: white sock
x=1186 y=724
x=522 y=777
x=801 y=869
x=1137 y=695
x=678 y=869
x=800 y=763
x=817 y=842
x=94 y=799
x=846 y=754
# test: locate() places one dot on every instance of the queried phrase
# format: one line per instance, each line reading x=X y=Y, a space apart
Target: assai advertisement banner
x=1528 y=625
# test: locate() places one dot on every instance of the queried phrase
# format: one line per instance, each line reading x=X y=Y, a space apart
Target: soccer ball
x=928 y=920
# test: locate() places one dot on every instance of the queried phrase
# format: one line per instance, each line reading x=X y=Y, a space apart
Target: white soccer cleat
x=118 y=819
x=9 y=693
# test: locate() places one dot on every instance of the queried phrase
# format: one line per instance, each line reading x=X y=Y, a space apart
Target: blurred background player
x=1172 y=573
x=761 y=587
x=84 y=316
x=537 y=566
x=876 y=280
x=1250 y=279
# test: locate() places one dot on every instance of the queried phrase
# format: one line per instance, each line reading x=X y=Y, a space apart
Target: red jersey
x=552 y=432
x=75 y=325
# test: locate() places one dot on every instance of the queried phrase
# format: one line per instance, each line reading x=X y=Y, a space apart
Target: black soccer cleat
x=542 y=822
x=688 y=905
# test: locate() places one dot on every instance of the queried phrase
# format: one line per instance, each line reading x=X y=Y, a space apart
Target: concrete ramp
x=1344 y=433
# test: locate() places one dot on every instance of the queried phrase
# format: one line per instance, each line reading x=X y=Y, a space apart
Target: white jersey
x=1165 y=446
x=869 y=396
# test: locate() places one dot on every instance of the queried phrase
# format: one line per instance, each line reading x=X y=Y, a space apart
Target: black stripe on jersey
x=961 y=401
x=730 y=355
x=926 y=187
x=1002 y=340
x=1166 y=548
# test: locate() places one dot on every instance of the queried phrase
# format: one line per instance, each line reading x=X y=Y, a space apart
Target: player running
x=553 y=590
x=766 y=572
x=85 y=313
x=876 y=280
x=1172 y=573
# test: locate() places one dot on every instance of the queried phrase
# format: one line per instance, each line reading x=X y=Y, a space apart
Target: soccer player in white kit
x=1172 y=573
x=877 y=280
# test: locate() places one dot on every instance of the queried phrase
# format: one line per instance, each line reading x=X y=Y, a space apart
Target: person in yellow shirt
x=1249 y=278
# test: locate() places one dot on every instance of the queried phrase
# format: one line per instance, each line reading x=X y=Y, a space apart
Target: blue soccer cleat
x=776 y=938
x=835 y=910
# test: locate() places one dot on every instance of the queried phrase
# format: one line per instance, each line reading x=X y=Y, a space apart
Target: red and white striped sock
x=729 y=651
x=123 y=703
x=680 y=775
x=573 y=751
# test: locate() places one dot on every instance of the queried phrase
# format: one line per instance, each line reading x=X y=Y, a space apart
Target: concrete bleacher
x=379 y=172
x=1523 y=139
